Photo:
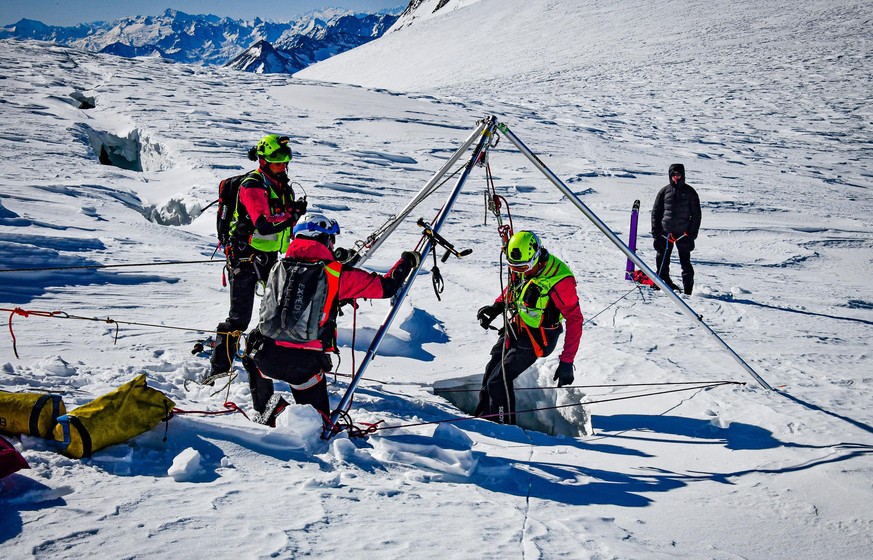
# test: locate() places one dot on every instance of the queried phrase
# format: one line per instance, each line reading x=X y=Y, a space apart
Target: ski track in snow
x=731 y=472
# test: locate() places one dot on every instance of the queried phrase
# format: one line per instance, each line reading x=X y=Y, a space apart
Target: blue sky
x=66 y=12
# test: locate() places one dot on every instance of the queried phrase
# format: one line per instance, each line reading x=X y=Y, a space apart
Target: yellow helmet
x=274 y=149
x=523 y=251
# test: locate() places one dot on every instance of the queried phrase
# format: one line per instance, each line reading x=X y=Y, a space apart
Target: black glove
x=659 y=243
x=341 y=254
x=300 y=206
x=564 y=374
x=326 y=363
x=412 y=258
x=487 y=314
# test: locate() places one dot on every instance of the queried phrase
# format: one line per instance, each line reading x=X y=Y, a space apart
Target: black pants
x=245 y=269
x=497 y=396
x=291 y=365
x=683 y=248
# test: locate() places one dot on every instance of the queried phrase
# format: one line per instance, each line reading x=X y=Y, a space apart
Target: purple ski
x=632 y=240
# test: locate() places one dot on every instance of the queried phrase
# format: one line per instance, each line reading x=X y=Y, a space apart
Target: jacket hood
x=308 y=250
x=676 y=167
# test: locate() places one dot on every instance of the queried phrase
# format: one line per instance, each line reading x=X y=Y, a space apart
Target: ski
x=632 y=241
x=631 y=274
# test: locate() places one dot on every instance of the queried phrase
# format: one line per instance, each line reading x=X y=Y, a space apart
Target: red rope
x=230 y=407
x=27 y=313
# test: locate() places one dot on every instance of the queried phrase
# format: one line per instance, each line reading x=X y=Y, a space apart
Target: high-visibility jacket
x=278 y=208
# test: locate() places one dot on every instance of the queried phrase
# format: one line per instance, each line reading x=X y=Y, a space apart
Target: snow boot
x=274 y=408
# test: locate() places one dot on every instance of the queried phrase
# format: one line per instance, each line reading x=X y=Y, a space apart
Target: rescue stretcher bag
x=10 y=459
x=132 y=409
x=30 y=414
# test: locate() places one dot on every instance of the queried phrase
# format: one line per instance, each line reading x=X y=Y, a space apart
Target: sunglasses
x=525 y=266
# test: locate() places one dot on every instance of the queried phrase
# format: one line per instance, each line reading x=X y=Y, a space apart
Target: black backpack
x=293 y=301
x=228 y=197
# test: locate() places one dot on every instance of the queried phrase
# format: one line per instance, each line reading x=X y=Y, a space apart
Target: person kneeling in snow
x=541 y=293
x=297 y=326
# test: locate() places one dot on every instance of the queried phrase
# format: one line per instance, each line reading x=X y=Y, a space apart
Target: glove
x=487 y=314
x=326 y=362
x=341 y=254
x=412 y=258
x=660 y=244
x=564 y=374
x=300 y=206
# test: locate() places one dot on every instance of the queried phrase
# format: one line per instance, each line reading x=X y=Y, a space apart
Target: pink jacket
x=256 y=202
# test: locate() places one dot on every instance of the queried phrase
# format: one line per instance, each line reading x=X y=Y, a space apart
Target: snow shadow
x=851 y=304
x=858 y=424
x=580 y=485
x=736 y=436
x=18 y=493
x=149 y=455
x=575 y=484
x=422 y=328
x=29 y=251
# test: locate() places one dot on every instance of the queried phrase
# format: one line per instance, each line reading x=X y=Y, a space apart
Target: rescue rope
x=389 y=224
x=602 y=386
x=95 y=266
x=109 y=320
x=375 y=427
x=230 y=406
x=345 y=423
x=610 y=305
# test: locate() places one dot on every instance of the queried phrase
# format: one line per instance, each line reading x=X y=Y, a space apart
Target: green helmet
x=523 y=251
x=274 y=149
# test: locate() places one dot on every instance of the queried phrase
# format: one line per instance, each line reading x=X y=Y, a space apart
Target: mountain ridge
x=211 y=40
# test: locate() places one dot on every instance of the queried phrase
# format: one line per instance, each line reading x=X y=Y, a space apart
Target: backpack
x=294 y=301
x=228 y=196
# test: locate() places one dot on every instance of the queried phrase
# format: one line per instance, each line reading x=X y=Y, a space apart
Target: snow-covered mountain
x=311 y=41
x=210 y=40
x=111 y=161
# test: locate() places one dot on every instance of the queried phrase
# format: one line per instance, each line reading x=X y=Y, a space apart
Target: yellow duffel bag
x=132 y=409
x=30 y=414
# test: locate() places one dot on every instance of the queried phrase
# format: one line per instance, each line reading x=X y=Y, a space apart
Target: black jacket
x=676 y=209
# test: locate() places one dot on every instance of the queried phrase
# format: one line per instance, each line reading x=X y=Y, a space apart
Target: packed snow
x=768 y=108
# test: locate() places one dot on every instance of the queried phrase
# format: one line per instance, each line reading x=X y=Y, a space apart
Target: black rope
x=346 y=424
x=608 y=306
x=394 y=219
x=603 y=386
x=93 y=266
x=375 y=427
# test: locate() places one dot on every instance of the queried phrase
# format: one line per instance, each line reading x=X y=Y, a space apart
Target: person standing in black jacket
x=676 y=221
